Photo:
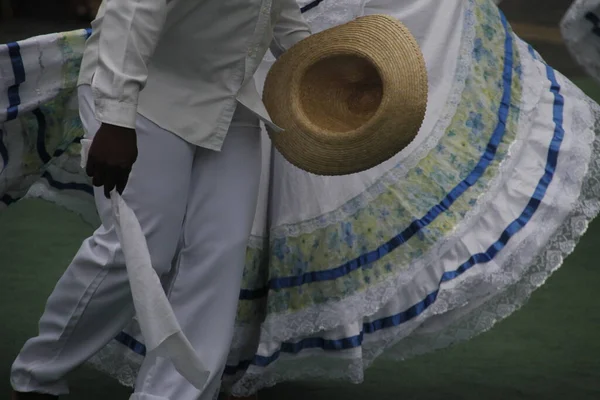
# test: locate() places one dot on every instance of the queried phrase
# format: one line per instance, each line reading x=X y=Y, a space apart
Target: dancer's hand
x=111 y=157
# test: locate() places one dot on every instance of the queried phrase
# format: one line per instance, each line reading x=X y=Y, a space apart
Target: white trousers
x=195 y=206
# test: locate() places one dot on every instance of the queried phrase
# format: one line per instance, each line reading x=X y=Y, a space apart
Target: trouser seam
x=75 y=318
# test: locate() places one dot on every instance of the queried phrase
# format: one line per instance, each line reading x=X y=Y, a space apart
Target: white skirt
x=426 y=250
x=580 y=29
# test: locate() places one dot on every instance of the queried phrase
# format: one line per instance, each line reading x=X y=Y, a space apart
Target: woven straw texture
x=348 y=98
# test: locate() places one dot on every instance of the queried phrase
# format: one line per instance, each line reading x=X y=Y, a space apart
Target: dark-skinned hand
x=111 y=157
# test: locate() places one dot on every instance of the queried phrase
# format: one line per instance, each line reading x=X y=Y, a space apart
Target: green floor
x=548 y=350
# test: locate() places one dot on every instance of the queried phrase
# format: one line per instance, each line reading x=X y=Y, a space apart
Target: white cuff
x=116 y=113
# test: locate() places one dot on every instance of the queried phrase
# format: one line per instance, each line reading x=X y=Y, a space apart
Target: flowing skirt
x=580 y=28
x=424 y=251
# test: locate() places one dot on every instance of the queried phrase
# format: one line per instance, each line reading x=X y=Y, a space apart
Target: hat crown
x=348 y=98
x=340 y=93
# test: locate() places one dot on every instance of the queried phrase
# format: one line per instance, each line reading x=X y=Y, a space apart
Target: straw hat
x=348 y=98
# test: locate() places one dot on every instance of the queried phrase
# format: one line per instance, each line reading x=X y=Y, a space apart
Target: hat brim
x=383 y=43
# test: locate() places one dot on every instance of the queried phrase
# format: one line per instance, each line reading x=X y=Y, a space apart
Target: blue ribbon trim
x=67 y=185
x=130 y=342
x=8 y=200
x=416 y=226
x=481 y=258
x=3 y=151
x=532 y=51
x=595 y=21
x=41 y=136
x=419 y=308
x=14 y=100
x=310 y=6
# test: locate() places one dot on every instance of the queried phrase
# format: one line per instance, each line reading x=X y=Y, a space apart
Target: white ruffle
x=305 y=202
x=281 y=327
x=465 y=306
x=485 y=294
x=582 y=43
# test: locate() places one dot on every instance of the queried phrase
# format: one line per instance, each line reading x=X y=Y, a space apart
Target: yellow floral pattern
x=394 y=207
x=51 y=128
x=398 y=204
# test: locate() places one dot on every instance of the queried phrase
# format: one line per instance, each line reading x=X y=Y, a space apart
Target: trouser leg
x=92 y=301
x=205 y=291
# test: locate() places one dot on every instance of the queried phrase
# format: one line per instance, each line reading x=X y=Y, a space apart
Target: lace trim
x=462 y=72
x=81 y=204
x=410 y=160
x=583 y=45
x=522 y=273
x=119 y=364
x=124 y=365
x=532 y=89
x=281 y=327
x=112 y=357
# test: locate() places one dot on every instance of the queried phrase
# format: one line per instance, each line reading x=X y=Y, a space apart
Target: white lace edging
x=84 y=208
x=369 y=303
x=280 y=327
x=557 y=240
x=119 y=364
x=476 y=321
x=410 y=160
x=577 y=33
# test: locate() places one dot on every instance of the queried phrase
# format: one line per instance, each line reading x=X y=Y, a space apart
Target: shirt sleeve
x=290 y=28
x=129 y=32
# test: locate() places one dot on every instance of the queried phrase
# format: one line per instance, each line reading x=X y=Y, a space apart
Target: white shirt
x=194 y=59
